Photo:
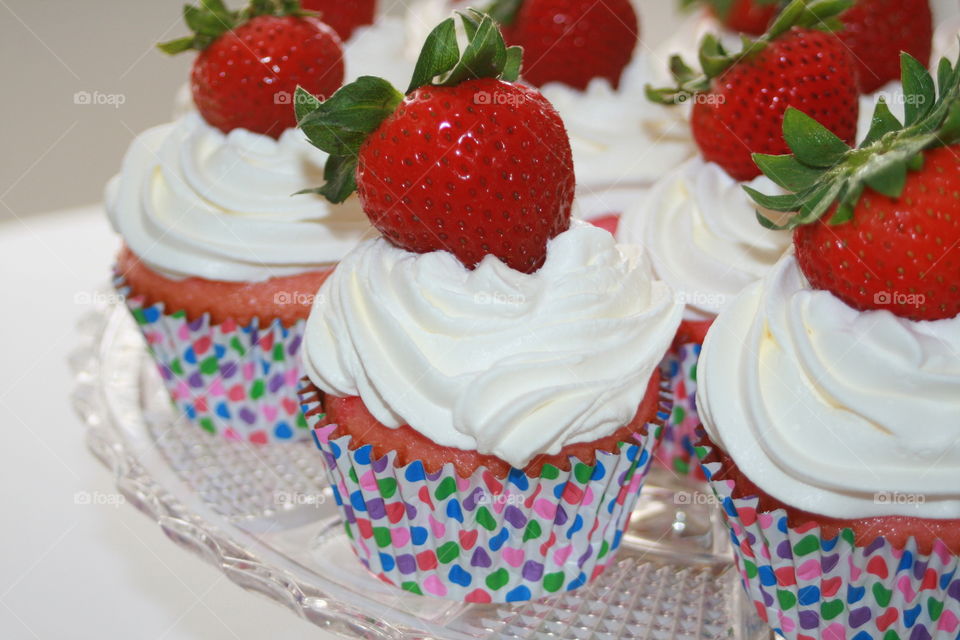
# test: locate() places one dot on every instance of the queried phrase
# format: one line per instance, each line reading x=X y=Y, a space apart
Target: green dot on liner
x=693 y=373
x=553 y=581
x=207 y=425
x=498 y=579
x=786 y=599
x=387 y=486
x=382 y=536
x=301 y=422
x=808 y=545
x=209 y=366
x=550 y=472
x=448 y=552
x=533 y=531
x=412 y=587
x=278 y=355
x=485 y=519
x=679 y=414
x=445 y=489
x=257 y=390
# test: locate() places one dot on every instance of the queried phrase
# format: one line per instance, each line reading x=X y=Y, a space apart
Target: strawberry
x=876 y=31
x=473 y=163
x=746 y=16
x=570 y=41
x=878 y=226
x=739 y=100
x=343 y=15
x=252 y=61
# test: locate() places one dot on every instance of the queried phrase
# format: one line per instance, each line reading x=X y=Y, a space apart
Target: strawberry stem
x=823 y=170
x=715 y=59
x=212 y=19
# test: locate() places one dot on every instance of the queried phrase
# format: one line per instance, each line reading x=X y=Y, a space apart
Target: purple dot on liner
x=470 y=502
x=254 y=337
x=375 y=509
x=515 y=517
x=433 y=477
x=859 y=617
x=247 y=415
x=784 y=551
x=348 y=514
x=532 y=571
x=920 y=633
x=919 y=570
x=195 y=380
x=767 y=599
x=380 y=464
x=331 y=461
x=586 y=556
x=561 y=518
x=480 y=558
x=809 y=619
x=411 y=510
x=228 y=370
x=406 y=563
x=276 y=383
x=196 y=325
x=829 y=562
x=873 y=546
x=165 y=372
x=954 y=590
x=294 y=345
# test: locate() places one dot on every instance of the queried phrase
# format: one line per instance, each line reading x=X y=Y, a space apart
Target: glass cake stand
x=265 y=517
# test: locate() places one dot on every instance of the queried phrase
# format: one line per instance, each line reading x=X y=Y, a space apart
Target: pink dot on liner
x=786 y=623
x=906 y=588
x=323 y=433
x=183 y=333
x=434 y=587
x=809 y=569
x=368 y=481
x=545 y=509
x=560 y=555
x=835 y=632
x=513 y=557
x=437 y=527
x=948 y=622
x=400 y=536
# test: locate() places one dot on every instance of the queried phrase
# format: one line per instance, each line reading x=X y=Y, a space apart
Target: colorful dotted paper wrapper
x=237 y=381
x=677 y=451
x=483 y=539
x=807 y=587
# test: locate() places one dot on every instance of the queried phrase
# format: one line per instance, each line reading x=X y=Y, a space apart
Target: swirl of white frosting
x=839 y=412
x=701 y=231
x=191 y=201
x=494 y=360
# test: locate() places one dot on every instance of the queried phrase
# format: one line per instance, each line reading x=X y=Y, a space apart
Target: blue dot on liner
x=643 y=457
x=808 y=595
x=855 y=594
x=453 y=510
x=910 y=615
x=576 y=526
x=946 y=578
x=696 y=349
x=558 y=490
x=863 y=635
x=598 y=471
x=190 y=356
x=387 y=562
x=518 y=594
x=519 y=479
x=191 y=412
x=223 y=410
x=828 y=545
x=362 y=455
x=418 y=535
x=151 y=314
x=283 y=431
x=782 y=524
x=458 y=576
x=415 y=472
x=674 y=368
x=617 y=537
x=219 y=350
x=335 y=450
x=498 y=540
x=579 y=581
x=729 y=507
x=336 y=496
x=357 y=502
x=906 y=562
x=766 y=575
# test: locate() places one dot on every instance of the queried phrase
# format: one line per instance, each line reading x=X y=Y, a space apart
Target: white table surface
x=69 y=569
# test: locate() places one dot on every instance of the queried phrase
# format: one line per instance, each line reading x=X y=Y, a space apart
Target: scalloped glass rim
x=263 y=516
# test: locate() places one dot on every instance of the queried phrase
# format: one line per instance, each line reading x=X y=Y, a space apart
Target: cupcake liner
x=677 y=451
x=808 y=587
x=484 y=539
x=239 y=381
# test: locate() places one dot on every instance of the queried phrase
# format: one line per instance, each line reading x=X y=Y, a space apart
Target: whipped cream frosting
x=839 y=412
x=945 y=38
x=494 y=360
x=701 y=230
x=191 y=201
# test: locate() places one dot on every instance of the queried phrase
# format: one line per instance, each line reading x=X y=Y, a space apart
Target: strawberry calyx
x=714 y=59
x=824 y=170
x=340 y=125
x=504 y=11
x=211 y=19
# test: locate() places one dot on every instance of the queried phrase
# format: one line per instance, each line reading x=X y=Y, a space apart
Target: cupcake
x=698 y=222
x=220 y=263
x=482 y=379
x=829 y=390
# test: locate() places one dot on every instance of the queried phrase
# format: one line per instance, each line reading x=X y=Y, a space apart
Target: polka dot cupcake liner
x=677 y=451
x=807 y=587
x=239 y=381
x=484 y=539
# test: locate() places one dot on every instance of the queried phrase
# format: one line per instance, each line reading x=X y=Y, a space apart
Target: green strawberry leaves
x=504 y=11
x=212 y=19
x=715 y=59
x=340 y=125
x=824 y=171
